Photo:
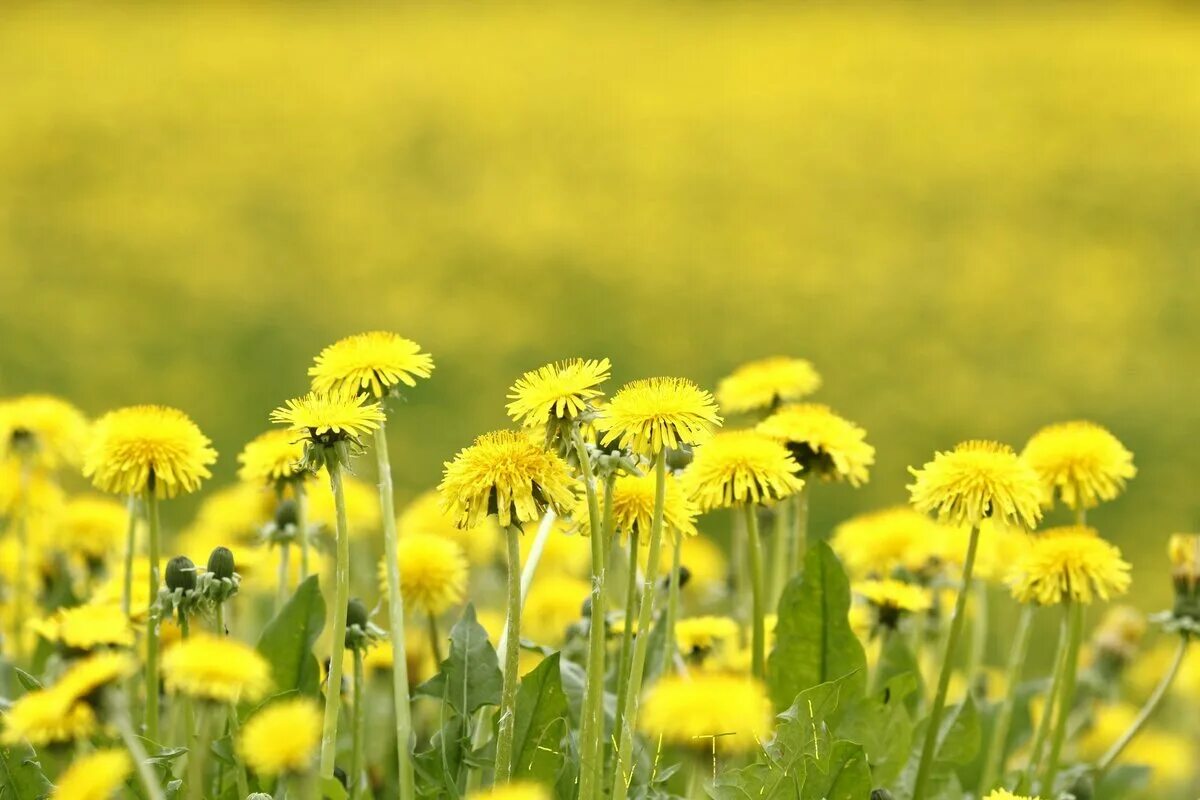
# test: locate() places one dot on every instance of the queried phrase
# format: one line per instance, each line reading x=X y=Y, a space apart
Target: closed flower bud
x=286 y=513
x=881 y=794
x=1184 y=551
x=220 y=563
x=356 y=614
x=181 y=574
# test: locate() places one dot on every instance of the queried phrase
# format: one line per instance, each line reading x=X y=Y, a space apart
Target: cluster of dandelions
x=552 y=621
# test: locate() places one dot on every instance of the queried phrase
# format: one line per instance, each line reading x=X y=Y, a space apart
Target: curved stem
x=590 y=728
x=642 y=642
x=341 y=597
x=358 y=729
x=508 y=692
x=400 y=695
x=152 y=616
x=626 y=656
x=758 y=625
x=1066 y=700
x=998 y=747
x=939 y=699
x=1152 y=703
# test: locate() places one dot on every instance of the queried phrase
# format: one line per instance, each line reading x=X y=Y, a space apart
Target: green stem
x=779 y=554
x=152 y=617
x=598 y=753
x=435 y=639
x=197 y=750
x=1043 y=728
x=219 y=620
x=939 y=699
x=341 y=597
x=737 y=566
x=243 y=781
x=508 y=693
x=998 y=747
x=282 y=595
x=358 y=728
x=1152 y=704
x=400 y=696
x=591 y=727
x=669 y=646
x=138 y=753
x=799 y=529
x=1066 y=700
x=23 y=578
x=302 y=524
x=626 y=657
x=979 y=630
x=758 y=624
x=130 y=543
x=641 y=644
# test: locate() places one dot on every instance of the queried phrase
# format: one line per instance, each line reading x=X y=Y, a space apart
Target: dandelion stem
x=197 y=749
x=932 y=732
x=669 y=648
x=757 y=619
x=282 y=595
x=591 y=725
x=358 y=729
x=395 y=617
x=780 y=556
x=130 y=542
x=435 y=639
x=626 y=657
x=1152 y=704
x=508 y=693
x=243 y=781
x=1043 y=728
x=642 y=642
x=998 y=748
x=138 y=753
x=979 y=630
x=1066 y=699
x=302 y=524
x=341 y=597
x=153 y=535
x=799 y=529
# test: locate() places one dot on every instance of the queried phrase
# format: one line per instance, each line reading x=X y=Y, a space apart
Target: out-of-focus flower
x=633 y=499
x=1169 y=756
x=43 y=429
x=891 y=599
x=94 y=776
x=766 y=383
x=517 y=790
x=433 y=572
x=93 y=526
x=698 y=636
x=1080 y=463
x=823 y=443
x=283 y=738
x=86 y=627
x=975 y=481
x=879 y=542
x=557 y=392
x=553 y=604
x=218 y=669
x=425 y=515
x=707 y=709
x=273 y=458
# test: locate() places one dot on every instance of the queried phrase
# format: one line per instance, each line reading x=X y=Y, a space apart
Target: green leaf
x=882 y=724
x=22 y=774
x=469 y=677
x=896 y=659
x=839 y=774
x=541 y=723
x=958 y=742
x=27 y=681
x=803 y=729
x=813 y=640
x=288 y=639
x=332 y=789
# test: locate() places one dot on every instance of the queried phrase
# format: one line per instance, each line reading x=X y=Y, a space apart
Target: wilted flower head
x=142 y=447
x=1079 y=462
x=369 y=364
x=507 y=474
x=433 y=572
x=977 y=480
x=739 y=467
x=94 y=776
x=216 y=668
x=690 y=712
x=633 y=507
x=48 y=431
x=557 y=392
x=273 y=458
x=283 y=738
x=1070 y=564
x=655 y=414
x=823 y=443
x=766 y=383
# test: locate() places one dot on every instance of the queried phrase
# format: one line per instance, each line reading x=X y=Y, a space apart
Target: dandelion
x=50 y=433
x=273 y=458
x=47 y=716
x=1070 y=564
x=880 y=542
x=553 y=604
x=655 y=414
x=633 y=507
x=699 y=636
x=216 y=669
x=764 y=384
x=1183 y=549
x=1080 y=463
x=823 y=443
x=517 y=790
x=891 y=599
x=327 y=420
x=371 y=364
x=710 y=710
x=557 y=393
x=95 y=776
x=433 y=572
x=86 y=627
x=425 y=515
x=283 y=738
x=92 y=526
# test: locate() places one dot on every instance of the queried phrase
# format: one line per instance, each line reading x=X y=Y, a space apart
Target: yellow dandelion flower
x=282 y=738
x=418 y=656
x=976 y=480
x=95 y=776
x=87 y=676
x=49 y=431
x=739 y=467
x=860 y=619
x=894 y=595
x=1183 y=549
x=47 y=716
x=369 y=364
x=111 y=591
x=362 y=506
x=93 y=526
x=517 y=790
x=507 y=474
x=690 y=712
x=212 y=668
x=140 y=447
x=1080 y=463
x=655 y=414
x=553 y=604
x=86 y=627
x=35 y=494
x=766 y=383
x=998 y=549
x=697 y=635
x=823 y=443
x=1070 y=564
x=564 y=552
x=633 y=507
x=425 y=515
x=272 y=458
x=556 y=392
x=326 y=419
x=433 y=572
x=878 y=542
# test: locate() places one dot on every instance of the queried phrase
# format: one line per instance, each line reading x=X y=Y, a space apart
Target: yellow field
x=974 y=222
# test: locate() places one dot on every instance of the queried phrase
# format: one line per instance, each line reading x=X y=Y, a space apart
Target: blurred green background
x=973 y=220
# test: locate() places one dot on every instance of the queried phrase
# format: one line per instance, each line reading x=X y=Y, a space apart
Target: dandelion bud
x=1184 y=551
x=356 y=614
x=286 y=513
x=1116 y=642
x=181 y=574
x=881 y=794
x=220 y=563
